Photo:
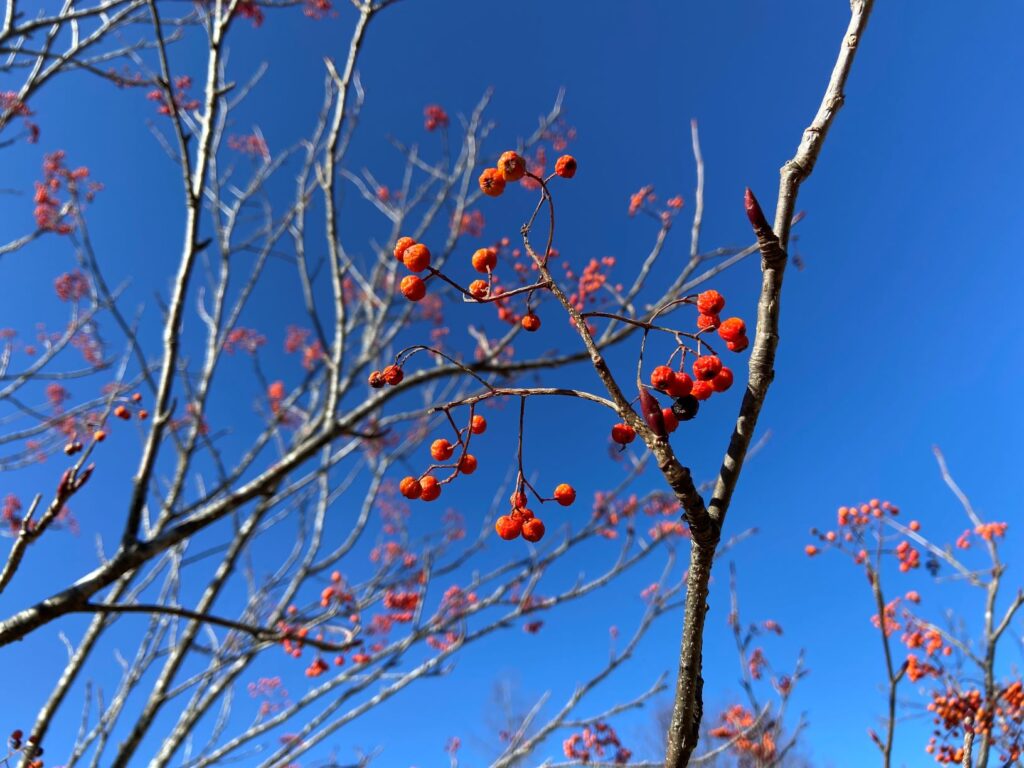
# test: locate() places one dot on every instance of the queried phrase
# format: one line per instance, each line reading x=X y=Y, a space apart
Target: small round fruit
x=478 y=289
x=393 y=375
x=522 y=514
x=413 y=288
x=517 y=500
x=681 y=385
x=485 y=260
x=710 y=302
x=530 y=322
x=704 y=322
x=401 y=245
x=565 y=494
x=508 y=527
x=492 y=183
x=478 y=425
x=410 y=487
x=512 y=166
x=431 y=489
x=738 y=345
x=441 y=450
x=732 y=329
x=416 y=257
x=670 y=420
x=722 y=381
x=467 y=464
x=702 y=390
x=533 y=529
x=565 y=166
x=376 y=380
x=685 y=408
x=662 y=378
x=122 y=413
x=623 y=434
x=706 y=367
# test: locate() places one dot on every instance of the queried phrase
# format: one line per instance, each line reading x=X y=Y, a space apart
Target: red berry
x=467 y=464
x=431 y=488
x=376 y=380
x=565 y=494
x=492 y=183
x=670 y=420
x=722 y=381
x=416 y=257
x=99 y=435
x=512 y=166
x=623 y=434
x=662 y=378
x=393 y=375
x=508 y=527
x=122 y=413
x=704 y=322
x=136 y=397
x=143 y=414
x=517 y=500
x=530 y=322
x=522 y=514
x=738 y=345
x=413 y=288
x=478 y=289
x=565 y=166
x=478 y=425
x=732 y=329
x=706 y=367
x=401 y=245
x=701 y=390
x=484 y=260
x=533 y=529
x=410 y=487
x=710 y=302
x=681 y=385
x=441 y=450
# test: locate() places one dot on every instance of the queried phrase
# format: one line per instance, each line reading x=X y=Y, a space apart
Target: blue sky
x=897 y=335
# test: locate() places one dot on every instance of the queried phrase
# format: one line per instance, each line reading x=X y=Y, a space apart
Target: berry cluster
x=426 y=487
x=521 y=521
x=416 y=258
x=29 y=747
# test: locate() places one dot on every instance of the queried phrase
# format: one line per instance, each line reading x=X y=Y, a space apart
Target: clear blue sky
x=900 y=333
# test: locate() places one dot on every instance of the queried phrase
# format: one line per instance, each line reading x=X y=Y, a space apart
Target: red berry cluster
x=521 y=521
x=392 y=375
x=426 y=487
x=29 y=747
x=416 y=258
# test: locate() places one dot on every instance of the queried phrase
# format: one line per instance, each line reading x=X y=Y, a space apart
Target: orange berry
x=376 y=380
x=335 y=577
x=533 y=529
x=401 y=245
x=722 y=381
x=393 y=375
x=522 y=514
x=705 y=322
x=811 y=550
x=701 y=390
x=441 y=449
x=623 y=434
x=136 y=397
x=122 y=413
x=732 y=329
x=512 y=166
x=710 y=302
x=681 y=385
x=492 y=183
x=431 y=488
x=413 y=288
x=416 y=257
x=99 y=435
x=738 y=345
x=467 y=464
x=565 y=166
x=143 y=414
x=662 y=378
x=517 y=500
x=485 y=260
x=914 y=525
x=530 y=322
x=706 y=367
x=508 y=528
x=410 y=487
x=478 y=425
x=478 y=289
x=565 y=494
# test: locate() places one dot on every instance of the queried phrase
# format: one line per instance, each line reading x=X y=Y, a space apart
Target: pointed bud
x=652 y=413
x=755 y=214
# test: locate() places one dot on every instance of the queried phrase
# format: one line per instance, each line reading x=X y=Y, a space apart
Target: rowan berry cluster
x=416 y=258
x=426 y=487
x=521 y=521
x=29 y=748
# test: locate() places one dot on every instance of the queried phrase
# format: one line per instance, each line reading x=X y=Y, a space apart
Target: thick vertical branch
x=684 y=727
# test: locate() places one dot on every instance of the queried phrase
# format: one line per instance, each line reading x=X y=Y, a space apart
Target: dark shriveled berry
x=685 y=408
